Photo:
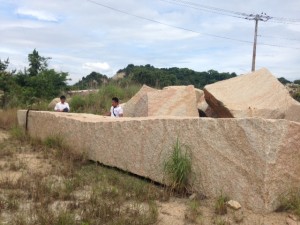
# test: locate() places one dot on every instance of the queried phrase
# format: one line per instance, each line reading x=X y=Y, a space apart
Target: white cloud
x=37 y=14
x=81 y=33
x=96 y=66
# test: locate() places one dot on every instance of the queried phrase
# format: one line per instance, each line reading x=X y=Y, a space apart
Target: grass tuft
x=220 y=206
x=178 y=167
x=18 y=133
x=193 y=213
x=54 y=141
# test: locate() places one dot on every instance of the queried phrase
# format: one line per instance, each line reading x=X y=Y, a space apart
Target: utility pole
x=258 y=17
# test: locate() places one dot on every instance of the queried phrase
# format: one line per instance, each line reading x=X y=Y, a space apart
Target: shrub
x=100 y=102
x=77 y=103
x=18 y=133
x=178 y=167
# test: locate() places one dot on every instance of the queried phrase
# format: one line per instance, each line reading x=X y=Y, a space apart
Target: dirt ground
x=175 y=211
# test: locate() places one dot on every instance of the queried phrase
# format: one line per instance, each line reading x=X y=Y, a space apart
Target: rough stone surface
x=171 y=101
x=290 y=221
x=201 y=103
x=253 y=160
x=257 y=94
x=234 y=204
x=137 y=105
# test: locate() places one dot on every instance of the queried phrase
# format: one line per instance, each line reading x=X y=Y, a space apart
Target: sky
x=82 y=36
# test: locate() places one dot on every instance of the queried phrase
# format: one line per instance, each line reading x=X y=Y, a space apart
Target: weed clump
x=178 y=167
x=220 y=206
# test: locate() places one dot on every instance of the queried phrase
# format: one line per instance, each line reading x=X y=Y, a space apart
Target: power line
x=276 y=37
x=206 y=9
x=256 y=17
x=182 y=28
x=230 y=13
x=219 y=11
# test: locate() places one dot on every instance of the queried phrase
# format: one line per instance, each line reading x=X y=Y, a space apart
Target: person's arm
x=56 y=108
x=121 y=112
x=109 y=113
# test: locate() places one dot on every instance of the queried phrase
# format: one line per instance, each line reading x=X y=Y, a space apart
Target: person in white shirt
x=62 y=106
x=115 y=110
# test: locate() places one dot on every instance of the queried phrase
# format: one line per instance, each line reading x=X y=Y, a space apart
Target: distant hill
x=91 y=81
x=161 y=77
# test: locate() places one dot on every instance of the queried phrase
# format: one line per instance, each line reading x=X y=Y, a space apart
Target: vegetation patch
x=290 y=202
x=178 y=167
x=220 y=205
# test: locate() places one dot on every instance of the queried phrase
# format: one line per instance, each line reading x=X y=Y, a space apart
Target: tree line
x=33 y=84
x=162 y=77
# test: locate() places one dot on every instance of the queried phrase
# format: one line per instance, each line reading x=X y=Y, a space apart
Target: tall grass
x=220 y=205
x=100 y=102
x=8 y=118
x=178 y=167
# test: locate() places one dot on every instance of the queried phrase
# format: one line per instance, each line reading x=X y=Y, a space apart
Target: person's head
x=62 y=99
x=115 y=102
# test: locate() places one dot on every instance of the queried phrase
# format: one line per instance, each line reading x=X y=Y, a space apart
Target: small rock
x=193 y=196
x=293 y=217
x=234 y=204
x=290 y=221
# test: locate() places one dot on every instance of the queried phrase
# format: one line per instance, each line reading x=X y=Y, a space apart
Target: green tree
x=93 y=80
x=38 y=82
x=4 y=64
x=157 y=77
x=37 y=63
x=284 y=81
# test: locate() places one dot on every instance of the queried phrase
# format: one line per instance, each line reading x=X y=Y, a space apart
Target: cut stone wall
x=253 y=160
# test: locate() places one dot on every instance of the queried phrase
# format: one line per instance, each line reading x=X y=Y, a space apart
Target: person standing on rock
x=62 y=106
x=115 y=110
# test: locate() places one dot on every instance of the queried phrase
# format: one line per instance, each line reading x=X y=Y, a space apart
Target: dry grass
x=290 y=202
x=193 y=213
x=8 y=119
x=73 y=191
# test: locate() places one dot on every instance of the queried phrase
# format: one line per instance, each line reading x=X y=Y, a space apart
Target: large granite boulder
x=257 y=94
x=137 y=105
x=201 y=103
x=171 y=101
x=252 y=160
